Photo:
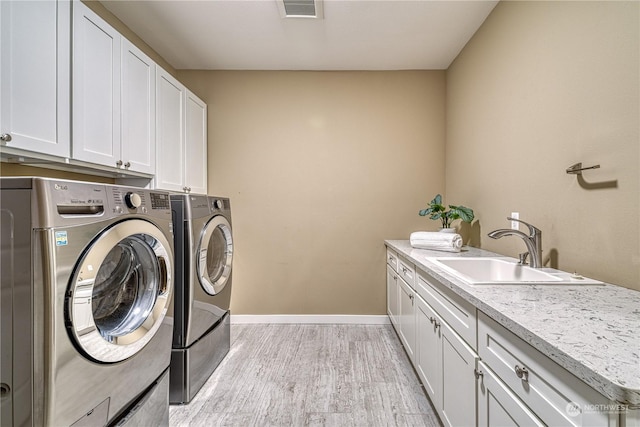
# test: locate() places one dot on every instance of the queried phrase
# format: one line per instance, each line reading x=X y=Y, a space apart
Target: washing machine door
x=120 y=291
x=215 y=254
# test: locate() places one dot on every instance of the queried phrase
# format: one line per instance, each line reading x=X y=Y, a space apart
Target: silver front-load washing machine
x=87 y=281
x=204 y=255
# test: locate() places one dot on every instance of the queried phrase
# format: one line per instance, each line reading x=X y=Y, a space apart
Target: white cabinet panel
x=498 y=406
x=182 y=137
x=428 y=351
x=96 y=88
x=138 y=98
x=170 y=97
x=35 y=75
x=392 y=259
x=459 y=362
x=392 y=296
x=407 y=318
x=195 y=144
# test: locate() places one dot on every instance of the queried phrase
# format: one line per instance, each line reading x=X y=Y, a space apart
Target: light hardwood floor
x=310 y=375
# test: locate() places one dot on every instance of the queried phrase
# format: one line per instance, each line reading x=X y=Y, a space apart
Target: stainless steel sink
x=506 y=271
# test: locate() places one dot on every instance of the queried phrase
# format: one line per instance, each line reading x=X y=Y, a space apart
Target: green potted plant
x=436 y=210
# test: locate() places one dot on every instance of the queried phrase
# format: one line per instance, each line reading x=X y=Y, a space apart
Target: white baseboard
x=311 y=319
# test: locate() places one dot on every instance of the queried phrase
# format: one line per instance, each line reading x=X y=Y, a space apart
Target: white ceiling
x=354 y=34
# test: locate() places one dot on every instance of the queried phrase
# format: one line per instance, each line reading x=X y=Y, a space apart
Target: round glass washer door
x=215 y=255
x=120 y=291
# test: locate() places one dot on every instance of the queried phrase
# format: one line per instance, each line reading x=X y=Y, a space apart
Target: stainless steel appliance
x=204 y=255
x=87 y=280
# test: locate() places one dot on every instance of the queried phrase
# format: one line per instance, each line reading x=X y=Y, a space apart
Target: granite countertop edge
x=572 y=361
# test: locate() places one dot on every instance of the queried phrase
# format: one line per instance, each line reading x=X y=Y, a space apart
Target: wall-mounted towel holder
x=577 y=169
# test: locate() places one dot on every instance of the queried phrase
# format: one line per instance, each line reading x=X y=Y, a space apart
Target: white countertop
x=591 y=331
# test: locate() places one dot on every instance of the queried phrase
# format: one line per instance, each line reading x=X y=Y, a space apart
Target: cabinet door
x=392 y=296
x=428 y=350
x=96 y=88
x=138 y=119
x=407 y=318
x=35 y=75
x=498 y=406
x=459 y=362
x=195 y=144
x=170 y=96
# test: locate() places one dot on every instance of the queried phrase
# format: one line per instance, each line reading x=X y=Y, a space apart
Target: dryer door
x=120 y=291
x=215 y=254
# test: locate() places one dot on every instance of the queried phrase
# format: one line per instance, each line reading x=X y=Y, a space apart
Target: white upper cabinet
x=113 y=97
x=195 y=144
x=138 y=100
x=35 y=76
x=182 y=137
x=96 y=88
x=170 y=98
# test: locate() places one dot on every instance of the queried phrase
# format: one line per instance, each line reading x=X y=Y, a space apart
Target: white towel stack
x=449 y=242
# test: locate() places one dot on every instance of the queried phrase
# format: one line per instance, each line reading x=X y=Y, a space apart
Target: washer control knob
x=133 y=200
x=219 y=204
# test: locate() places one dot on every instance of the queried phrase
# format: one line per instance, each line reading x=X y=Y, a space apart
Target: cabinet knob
x=522 y=373
x=5 y=137
x=119 y=163
x=127 y=165
x=432 y=319
x=477 y=373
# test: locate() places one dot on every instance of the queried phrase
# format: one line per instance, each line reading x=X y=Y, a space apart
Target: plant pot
x=447 y=230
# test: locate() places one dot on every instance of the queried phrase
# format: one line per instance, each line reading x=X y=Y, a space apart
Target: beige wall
x=321 y=167
x=541 y=86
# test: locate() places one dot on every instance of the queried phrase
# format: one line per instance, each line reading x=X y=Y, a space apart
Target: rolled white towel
x=449 y=242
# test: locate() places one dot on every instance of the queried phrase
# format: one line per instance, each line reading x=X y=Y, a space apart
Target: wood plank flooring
x=310 y=375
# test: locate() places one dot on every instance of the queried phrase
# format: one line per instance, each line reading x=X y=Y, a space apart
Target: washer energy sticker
x=61 y=238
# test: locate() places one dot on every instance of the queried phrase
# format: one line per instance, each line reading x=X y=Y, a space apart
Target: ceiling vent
x=300 y=8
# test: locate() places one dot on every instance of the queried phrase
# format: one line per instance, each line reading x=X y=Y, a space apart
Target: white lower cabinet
x=478 y=373
x=498 y=406
x=392 y=296
x=428 y=357
x=556 y=396
x=407 y=329
x=446 y=365
x=459 y=363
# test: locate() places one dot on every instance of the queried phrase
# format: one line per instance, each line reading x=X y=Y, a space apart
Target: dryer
x=87 y=280
x=204 y=255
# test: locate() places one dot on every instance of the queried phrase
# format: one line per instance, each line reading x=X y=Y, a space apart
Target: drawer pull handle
x=477 y=373
x=404 y=270
x=522 y=373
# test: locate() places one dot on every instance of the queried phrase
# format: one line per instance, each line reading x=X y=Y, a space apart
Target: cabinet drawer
x=392 y=259
x=458 y=313
x=551 y=392
x=407 y=271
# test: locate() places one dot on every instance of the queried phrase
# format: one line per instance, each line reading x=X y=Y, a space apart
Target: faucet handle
x=532 y=229
x=523 y=258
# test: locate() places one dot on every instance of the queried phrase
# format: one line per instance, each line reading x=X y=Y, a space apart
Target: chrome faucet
x=533 y=242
